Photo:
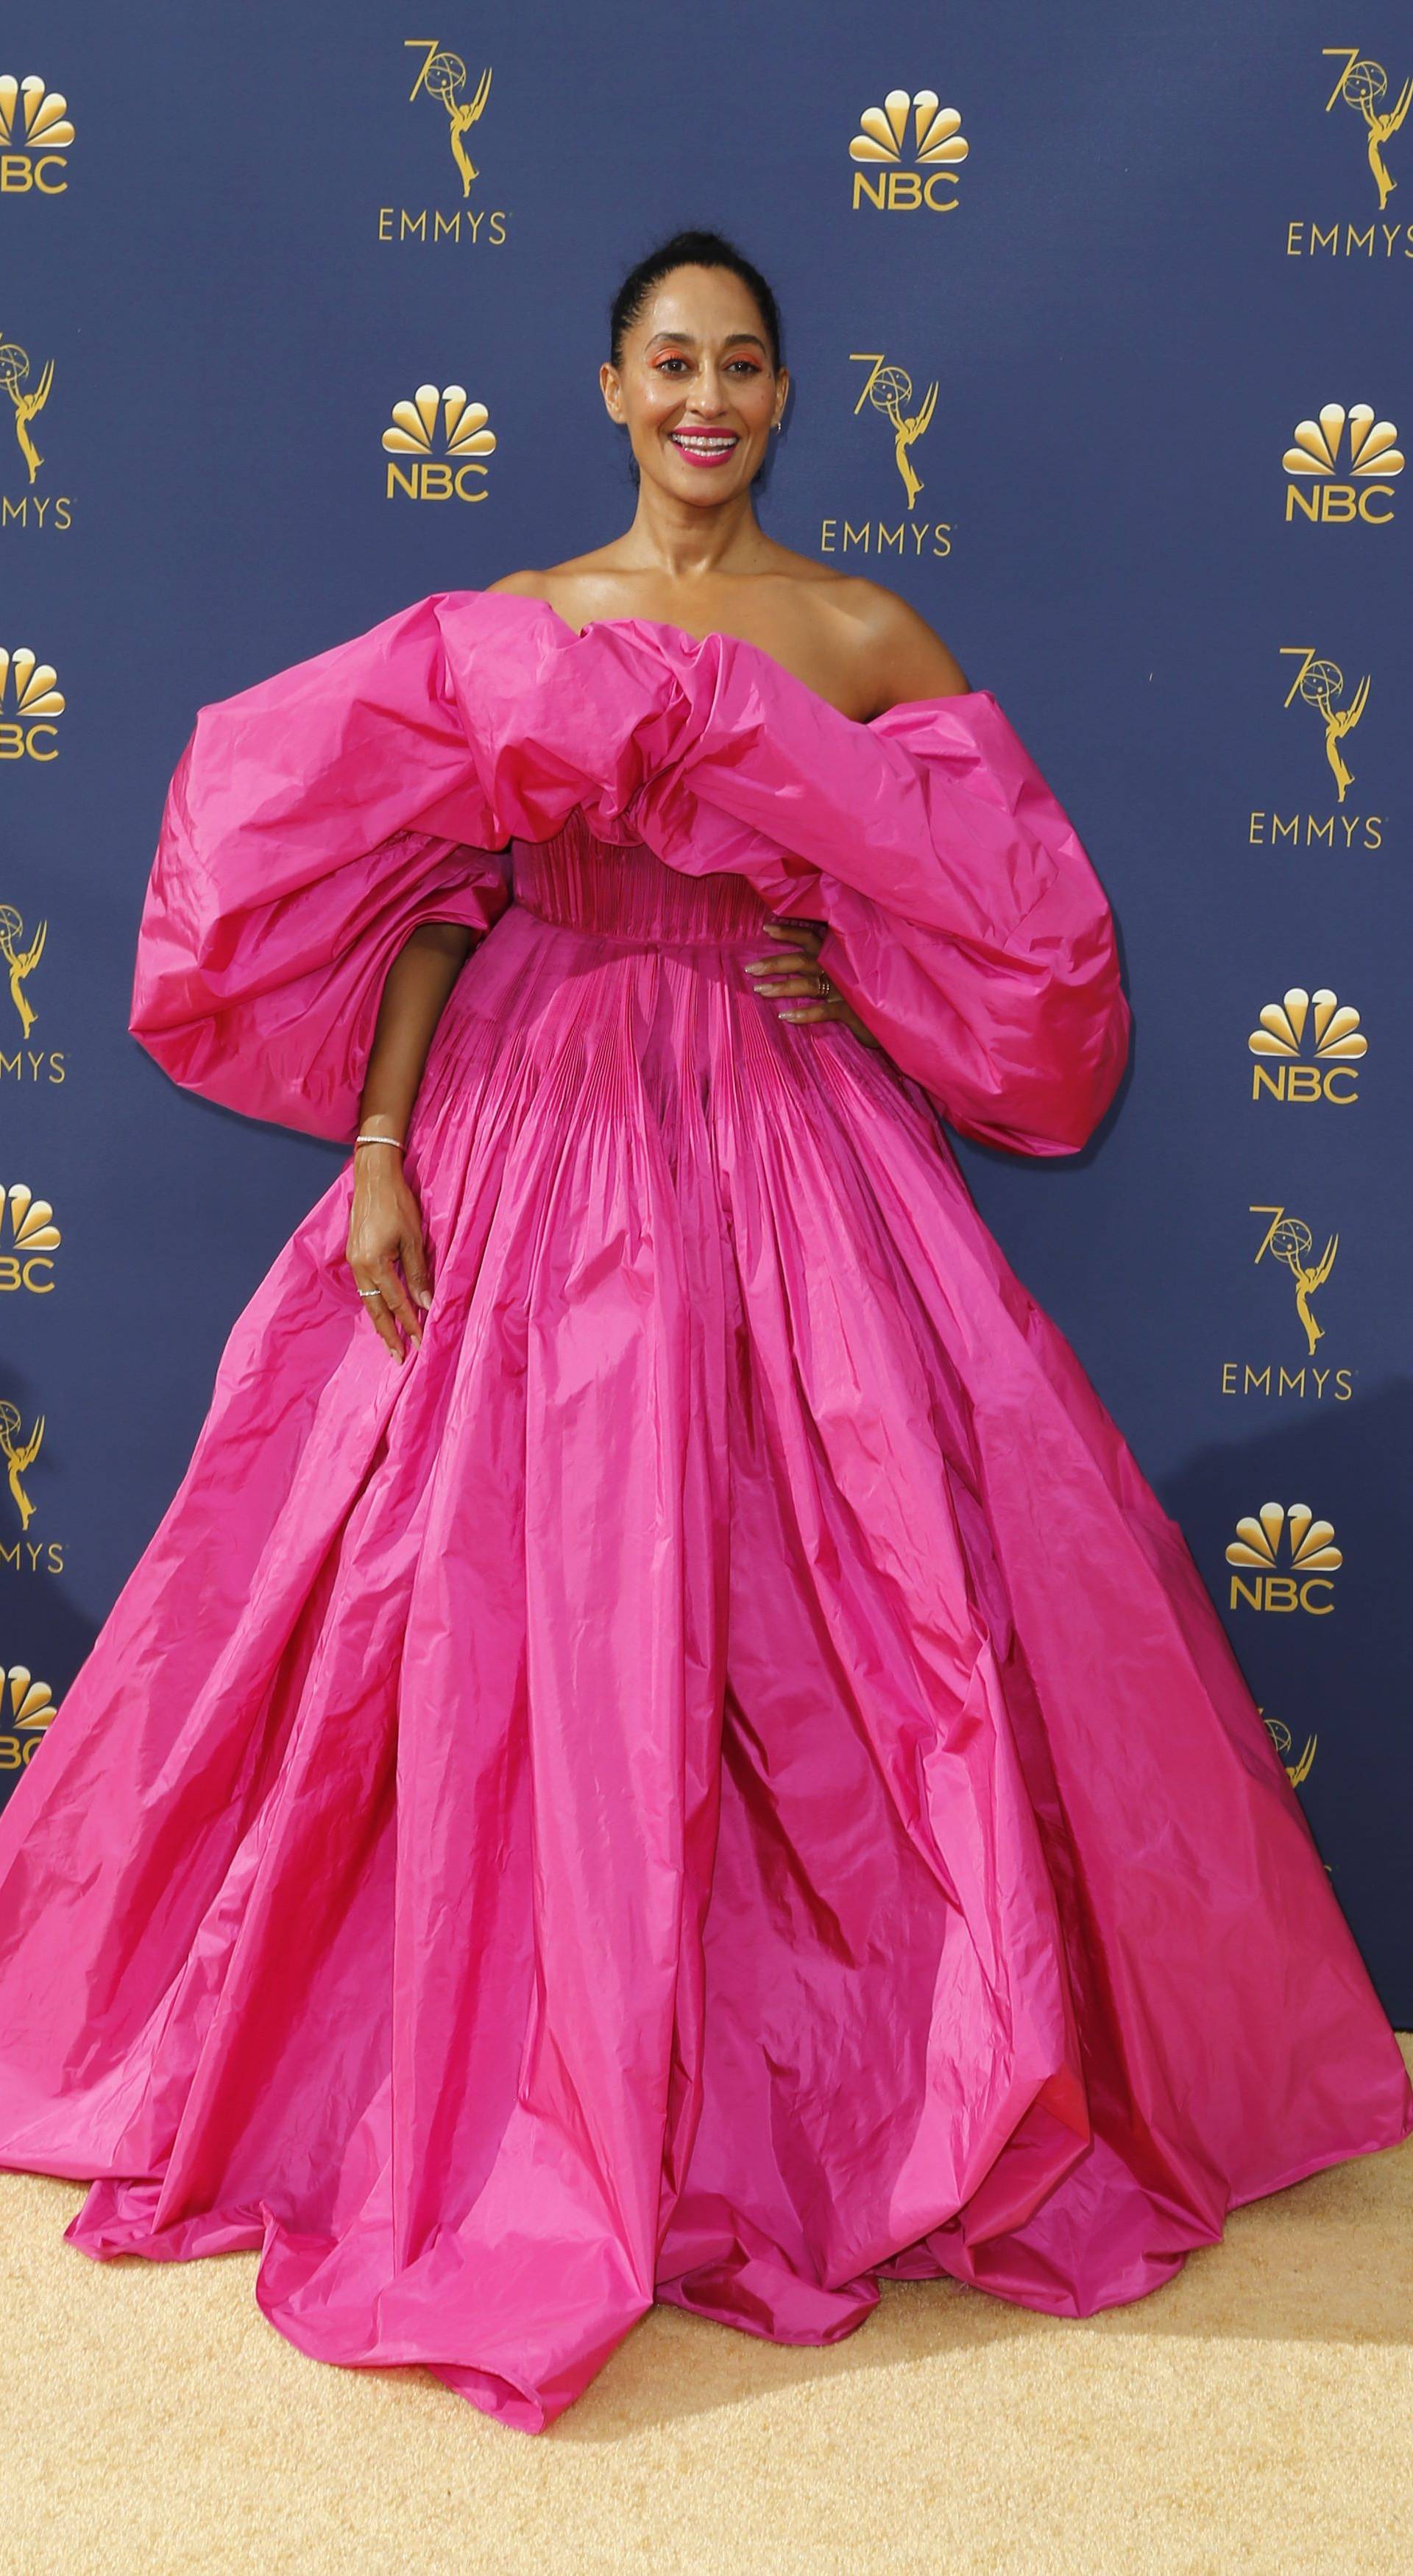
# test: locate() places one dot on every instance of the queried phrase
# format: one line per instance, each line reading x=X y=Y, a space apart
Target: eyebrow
x=733 y=339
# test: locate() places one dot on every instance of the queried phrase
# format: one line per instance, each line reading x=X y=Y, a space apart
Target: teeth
x=694 y=438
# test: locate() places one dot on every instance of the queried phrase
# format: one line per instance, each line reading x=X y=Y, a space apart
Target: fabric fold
x=315 y=819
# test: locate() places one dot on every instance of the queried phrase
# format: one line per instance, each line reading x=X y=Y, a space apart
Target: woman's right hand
x=387 y=1250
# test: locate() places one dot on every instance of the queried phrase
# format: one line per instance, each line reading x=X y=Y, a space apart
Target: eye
x=670 y=363
x=748 y=366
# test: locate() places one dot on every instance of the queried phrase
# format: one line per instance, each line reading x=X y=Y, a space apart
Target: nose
x=707 y=399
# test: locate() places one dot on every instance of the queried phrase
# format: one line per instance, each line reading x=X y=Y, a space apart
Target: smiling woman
x=696 y=376
x=664 y=1748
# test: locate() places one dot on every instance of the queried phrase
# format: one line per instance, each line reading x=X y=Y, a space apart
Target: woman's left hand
x=805 y=987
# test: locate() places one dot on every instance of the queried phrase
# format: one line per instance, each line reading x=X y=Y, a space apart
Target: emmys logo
x=35 y=135
x=442 y=77
x=25 y=1260
x=19 y=957
x=1315 y=457
x=1363 y=85
x=28 y=700
x=890 y=391
x=1286 y=1071
x=464 y=439
x=1293 y=1539
x=1362 y=90
x=1289 y=1242
x=935 y=146
x=18 y=1452
x=1320 y=685
x=1284 y=1743
x=28 y=395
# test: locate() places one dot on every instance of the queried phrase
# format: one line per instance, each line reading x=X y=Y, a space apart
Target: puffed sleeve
x=967 y=925
x=313 y=822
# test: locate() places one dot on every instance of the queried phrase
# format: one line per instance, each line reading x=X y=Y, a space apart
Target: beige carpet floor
x=1257 y=2414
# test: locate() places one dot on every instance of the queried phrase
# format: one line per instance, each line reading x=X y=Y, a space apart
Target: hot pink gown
x=718 y=1779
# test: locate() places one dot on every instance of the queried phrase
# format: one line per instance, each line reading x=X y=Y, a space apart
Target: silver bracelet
x=381 y=1140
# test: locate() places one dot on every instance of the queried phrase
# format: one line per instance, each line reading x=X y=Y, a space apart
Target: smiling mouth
x=705 y=446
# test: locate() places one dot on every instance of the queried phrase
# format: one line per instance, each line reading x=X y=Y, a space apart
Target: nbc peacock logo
x=443 y=439
x=29 y=1238
x=1330 y=483
x=1308 y=1047
x=30 y=699
x=908 y=155
x=36 y=133
x=27 y=1709
x=1285 y=1559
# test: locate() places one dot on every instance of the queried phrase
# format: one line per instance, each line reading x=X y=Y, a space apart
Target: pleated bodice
x=621 y=891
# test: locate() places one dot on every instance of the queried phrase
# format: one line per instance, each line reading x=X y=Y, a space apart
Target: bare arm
x=385 y=1222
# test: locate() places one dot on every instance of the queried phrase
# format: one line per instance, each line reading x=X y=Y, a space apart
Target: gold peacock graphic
x=33 y=118
x=25 y=1701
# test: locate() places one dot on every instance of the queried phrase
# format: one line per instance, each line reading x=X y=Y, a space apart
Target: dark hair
x=689 y=250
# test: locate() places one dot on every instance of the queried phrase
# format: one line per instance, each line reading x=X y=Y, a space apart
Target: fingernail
x=424 y=1296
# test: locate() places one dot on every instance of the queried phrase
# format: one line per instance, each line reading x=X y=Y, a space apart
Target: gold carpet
x=1255 y=2414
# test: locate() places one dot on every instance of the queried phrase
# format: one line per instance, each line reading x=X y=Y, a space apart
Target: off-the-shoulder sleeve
x=967 y=925
x=314 y=820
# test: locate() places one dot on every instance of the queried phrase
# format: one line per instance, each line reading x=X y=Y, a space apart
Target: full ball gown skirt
x=718 y=1779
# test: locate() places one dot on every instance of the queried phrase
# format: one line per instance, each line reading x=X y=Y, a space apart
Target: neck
x=690 y=543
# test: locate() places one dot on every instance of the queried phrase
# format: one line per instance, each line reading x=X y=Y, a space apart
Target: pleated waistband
x=623 y=892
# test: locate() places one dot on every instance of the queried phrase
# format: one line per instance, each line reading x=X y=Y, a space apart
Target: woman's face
x=696 y=388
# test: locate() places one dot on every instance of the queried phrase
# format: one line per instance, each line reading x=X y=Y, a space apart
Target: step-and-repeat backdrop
x=1100 y=329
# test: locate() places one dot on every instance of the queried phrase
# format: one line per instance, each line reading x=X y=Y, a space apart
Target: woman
x=674 y=1755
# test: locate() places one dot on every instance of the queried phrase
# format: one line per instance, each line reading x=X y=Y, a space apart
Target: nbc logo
x=28 y=702
x=919 y=131
x=438 y=420
x=33 y=1236
x=27 y=1707
x=1289 y=1068
x=1313 y=462
x=1292 y=1538
x=35 y=135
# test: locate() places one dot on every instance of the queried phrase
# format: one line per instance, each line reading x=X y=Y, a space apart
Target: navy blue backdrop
x=1133 y=255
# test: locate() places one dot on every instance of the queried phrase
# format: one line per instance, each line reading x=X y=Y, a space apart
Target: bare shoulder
x=906 y=657
x=523 y=585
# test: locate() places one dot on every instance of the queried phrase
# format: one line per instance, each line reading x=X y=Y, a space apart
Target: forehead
x=700 y=304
